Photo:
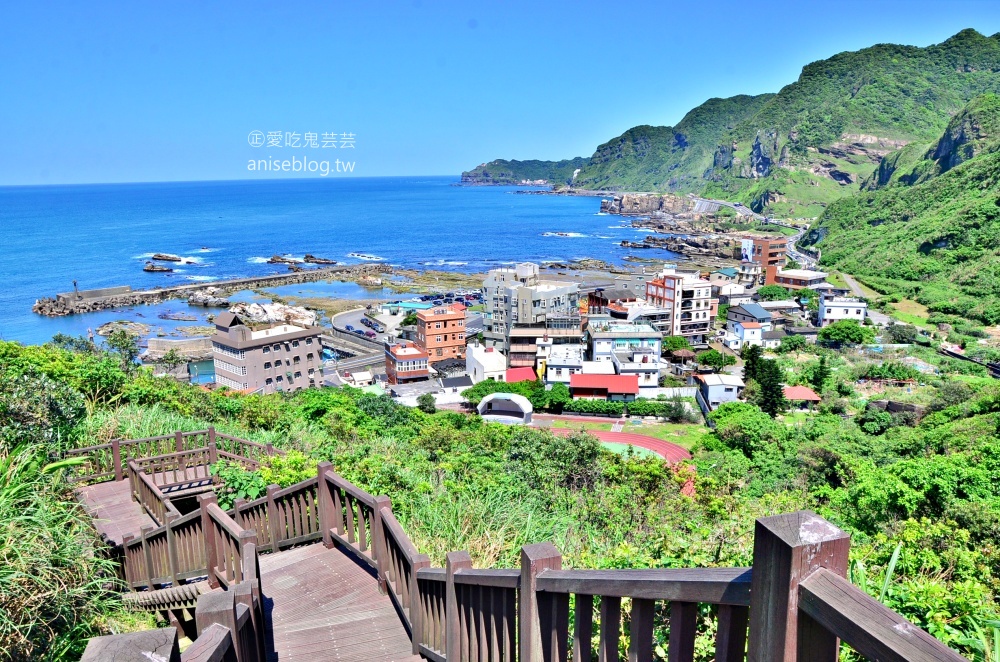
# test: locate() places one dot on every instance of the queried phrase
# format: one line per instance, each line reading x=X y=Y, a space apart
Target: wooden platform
x=113 y=511
x=324 y=606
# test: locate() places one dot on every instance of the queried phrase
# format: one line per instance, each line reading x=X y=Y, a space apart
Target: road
x=878 y=318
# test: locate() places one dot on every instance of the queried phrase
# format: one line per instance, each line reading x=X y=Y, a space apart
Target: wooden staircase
x=263 y=588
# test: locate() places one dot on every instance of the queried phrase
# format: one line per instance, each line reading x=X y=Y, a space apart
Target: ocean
x=101 y=235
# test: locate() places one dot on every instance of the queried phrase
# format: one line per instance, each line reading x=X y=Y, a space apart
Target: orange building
x=405 y=362
x=441 y=332
x=769 y=252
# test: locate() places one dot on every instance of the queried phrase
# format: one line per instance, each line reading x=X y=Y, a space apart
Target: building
x=527 y=344
x=441 y=332
x=724 y=275
x=747 y=312
x=749 y=333
x=606 y=338
x=793 y=279
x=772 y=339
x=717 y=389
x=644 y=363
x=515 y=375
x=518 y=298
x=834 y=309
x=732 y=294
x=483 y=363
x=801 y=396
x=405 y=362
x=689 y=297
x=507 y=408
x=768 y=251
x=599 y=300
x=604 y=387
x=266 y=359
x=751 y=274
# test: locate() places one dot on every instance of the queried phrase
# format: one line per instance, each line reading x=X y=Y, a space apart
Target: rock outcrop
x=273 y=313
x=645 y=204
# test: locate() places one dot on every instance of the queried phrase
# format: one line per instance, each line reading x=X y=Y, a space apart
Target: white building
x=834 y=309
x=606 y=338
x=717 y=389
x=518 y=297
x=749 y=333
x=689 y=297
x=483 y=363
x=644 y=363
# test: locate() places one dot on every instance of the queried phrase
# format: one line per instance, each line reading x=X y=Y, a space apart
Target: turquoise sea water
x=101 y=235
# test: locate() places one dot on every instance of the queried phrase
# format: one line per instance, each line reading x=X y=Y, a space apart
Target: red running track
x=668 y=451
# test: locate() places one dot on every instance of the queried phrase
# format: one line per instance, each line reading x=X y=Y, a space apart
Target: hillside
x=814 y=141
x=503 y=172
x=937 y=215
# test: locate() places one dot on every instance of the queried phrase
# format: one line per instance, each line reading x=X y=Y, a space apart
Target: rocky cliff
x=646 y=204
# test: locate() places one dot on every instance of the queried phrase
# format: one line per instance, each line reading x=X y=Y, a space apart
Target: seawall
x=66 y=305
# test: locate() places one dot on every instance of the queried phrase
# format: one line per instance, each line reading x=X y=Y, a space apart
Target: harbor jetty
x=89 y=301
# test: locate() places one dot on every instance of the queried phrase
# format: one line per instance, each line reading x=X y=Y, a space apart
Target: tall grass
x=54 y=584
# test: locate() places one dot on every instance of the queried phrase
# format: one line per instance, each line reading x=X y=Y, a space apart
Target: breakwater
x=197 y=293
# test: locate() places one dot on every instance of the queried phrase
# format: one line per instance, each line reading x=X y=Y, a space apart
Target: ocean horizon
x=100 y=235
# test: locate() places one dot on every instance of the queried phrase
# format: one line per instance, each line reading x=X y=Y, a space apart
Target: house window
x=729 y=389
x=439 y=350
x=309 y=356
x=267 y=365
x=296 y=360
x=268 y=381
x=295 y=343
x=297 y=374
x=309 y=341
x=279 y=378
x=267 y=350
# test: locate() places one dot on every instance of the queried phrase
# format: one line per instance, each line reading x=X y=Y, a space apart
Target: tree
x=772 y=395
x=126 y=346
x=558 y=397
x=792 y=264
x=426 y=403
x=791 y=343
x=172 y=359
x=900 y=334
x=716 y=359
x=752 y=356
x=846 y=331
x=820 y=375
x=772 y=293
x=410 y=319
x=671 y=343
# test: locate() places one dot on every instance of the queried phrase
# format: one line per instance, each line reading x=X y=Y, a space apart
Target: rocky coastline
x=202 y=294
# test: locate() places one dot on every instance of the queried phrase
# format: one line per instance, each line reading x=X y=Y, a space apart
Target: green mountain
x=813 y=142
x=503 y=172
x=929 y=228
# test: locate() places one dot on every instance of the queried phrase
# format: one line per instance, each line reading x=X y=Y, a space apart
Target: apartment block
x=768 y=251
x=794 y=279
x=405 y=362
x=441 y=332
x=517 y=298
x=266 y=359
x=689 y=297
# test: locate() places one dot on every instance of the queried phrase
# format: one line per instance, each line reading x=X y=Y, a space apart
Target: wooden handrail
x=793 y=604
x=876 y=632
x=719 y=586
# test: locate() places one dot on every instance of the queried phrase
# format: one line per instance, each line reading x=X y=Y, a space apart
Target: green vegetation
x=772 y=293
x=500 y=171
x=846 y=331
x=919 y=496
x=812 y=143
x=941 y=229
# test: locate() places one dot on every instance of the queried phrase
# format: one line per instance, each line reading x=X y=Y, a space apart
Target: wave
x=444 y=263
x=567 y=235
x=201 y=279
x=144 y=256
x=602 y=213
x=207 y=250
x=366 y=256
x=257 y=260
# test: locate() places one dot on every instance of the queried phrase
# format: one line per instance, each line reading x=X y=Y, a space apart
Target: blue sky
x=135 y=91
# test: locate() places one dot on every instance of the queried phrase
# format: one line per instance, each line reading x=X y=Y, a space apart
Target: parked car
x=370 y=334
x=437 y=302
x=360 y=332
x=349 y=327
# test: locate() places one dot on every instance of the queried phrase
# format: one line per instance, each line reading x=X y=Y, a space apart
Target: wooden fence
x=793 y=604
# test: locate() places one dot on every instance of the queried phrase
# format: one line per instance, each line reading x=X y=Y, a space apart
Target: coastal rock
x=645 y=203
x=180 y=317
x=281 y=259
x=274 y=313
x=712 y=246
x=167 y=257
x=129 y=327
x=209 y=297
x=312 y=259
x=157 y=268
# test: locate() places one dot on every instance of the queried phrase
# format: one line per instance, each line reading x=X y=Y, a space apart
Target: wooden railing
x=108 y=461
x=794 y=604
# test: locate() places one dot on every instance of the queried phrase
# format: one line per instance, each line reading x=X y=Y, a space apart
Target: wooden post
x=178 y=441
x=683 y=628
x=208 y=531
x=211 y=434
x=640 y=647
x=379 y=544
x=172 y=549
x=325 y=503
x=416 y=612
x=611 y=625
x=129 y=572
x=237 y=517
x=147 y=556
x=116 y=458
x=269 y=449
x=534 y=559
x=731 y=639
x=786 y=549
x=454 y=562
x=213 y=452
x=583 y=628
x=273 y=518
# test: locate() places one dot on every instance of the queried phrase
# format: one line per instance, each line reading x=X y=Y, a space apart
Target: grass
x=623 y=449
x=911 y=312
x=685 y=435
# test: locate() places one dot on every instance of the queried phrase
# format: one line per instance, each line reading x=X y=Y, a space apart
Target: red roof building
x=801 y=394
x=604 y=387
x=523 y=374
x=405 y=362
